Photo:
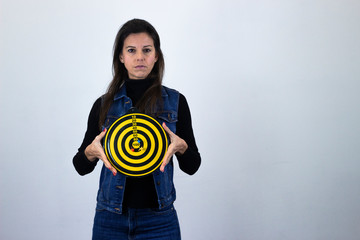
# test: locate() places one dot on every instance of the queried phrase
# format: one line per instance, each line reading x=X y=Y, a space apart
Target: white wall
x=273 y=87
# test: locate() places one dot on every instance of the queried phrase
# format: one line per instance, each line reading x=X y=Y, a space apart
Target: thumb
x=102 y=134
x=166 y=128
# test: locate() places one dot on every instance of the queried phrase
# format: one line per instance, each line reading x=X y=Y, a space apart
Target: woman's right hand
x=95 y=151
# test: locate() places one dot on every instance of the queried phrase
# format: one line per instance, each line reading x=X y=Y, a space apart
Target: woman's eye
x=130 y=50
x=147 y=50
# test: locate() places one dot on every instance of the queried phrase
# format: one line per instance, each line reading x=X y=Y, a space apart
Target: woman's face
x=138 y=55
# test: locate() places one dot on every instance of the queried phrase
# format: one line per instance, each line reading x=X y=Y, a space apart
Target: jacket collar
x=121 y=93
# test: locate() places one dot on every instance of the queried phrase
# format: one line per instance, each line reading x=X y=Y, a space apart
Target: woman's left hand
x=177 y=145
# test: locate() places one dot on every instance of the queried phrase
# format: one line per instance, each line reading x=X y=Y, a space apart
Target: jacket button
x=158 y=183
x=119 y=187
x=117 y=209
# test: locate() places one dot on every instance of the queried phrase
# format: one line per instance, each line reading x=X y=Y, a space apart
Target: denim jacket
x=111 y=190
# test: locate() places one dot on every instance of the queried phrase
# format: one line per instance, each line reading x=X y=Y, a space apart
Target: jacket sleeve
x=190 y=161
x=81 y=163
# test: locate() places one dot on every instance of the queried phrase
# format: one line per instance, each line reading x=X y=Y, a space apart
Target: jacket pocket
x=109 y=121
x=168 y=116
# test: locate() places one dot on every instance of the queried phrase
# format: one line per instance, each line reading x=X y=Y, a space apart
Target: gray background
x=273 y=88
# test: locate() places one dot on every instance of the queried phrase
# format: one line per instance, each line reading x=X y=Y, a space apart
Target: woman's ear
x=121 y=58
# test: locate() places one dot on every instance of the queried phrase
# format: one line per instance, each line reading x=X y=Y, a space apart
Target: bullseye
x=135 y=144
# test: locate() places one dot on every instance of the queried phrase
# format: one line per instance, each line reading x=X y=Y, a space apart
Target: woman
x=127 y=207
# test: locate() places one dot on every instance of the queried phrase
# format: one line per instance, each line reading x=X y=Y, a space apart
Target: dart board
x=135 y=144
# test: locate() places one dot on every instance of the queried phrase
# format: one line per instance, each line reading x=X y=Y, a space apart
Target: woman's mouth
x=140 y=67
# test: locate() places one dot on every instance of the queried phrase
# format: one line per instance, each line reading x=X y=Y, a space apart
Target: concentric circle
x=135 y=144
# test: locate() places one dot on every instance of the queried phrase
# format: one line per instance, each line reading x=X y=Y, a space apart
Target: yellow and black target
x=135 y=144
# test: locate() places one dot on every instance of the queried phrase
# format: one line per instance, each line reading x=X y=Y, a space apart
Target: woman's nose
x=139 y=56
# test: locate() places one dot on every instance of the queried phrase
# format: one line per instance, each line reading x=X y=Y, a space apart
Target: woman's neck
x=135 y=88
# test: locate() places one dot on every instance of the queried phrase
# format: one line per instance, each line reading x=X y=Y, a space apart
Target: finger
x=162 y=167
x=109 y=166
x=107 y=163
x=166 y=160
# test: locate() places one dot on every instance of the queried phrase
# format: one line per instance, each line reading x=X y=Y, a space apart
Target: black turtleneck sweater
x=140 y=192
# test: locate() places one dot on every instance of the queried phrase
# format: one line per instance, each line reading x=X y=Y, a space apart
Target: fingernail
x=104 y=130
x=114 y=173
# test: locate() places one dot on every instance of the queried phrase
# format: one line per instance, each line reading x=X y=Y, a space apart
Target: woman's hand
x=177 y=145
x=96 y=151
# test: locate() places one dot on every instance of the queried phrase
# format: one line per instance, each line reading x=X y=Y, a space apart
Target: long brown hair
x=149 y=102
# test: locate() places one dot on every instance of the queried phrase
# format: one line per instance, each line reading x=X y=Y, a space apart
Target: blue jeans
x=136 y=224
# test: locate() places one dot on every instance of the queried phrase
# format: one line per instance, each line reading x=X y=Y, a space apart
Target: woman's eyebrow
x=143 y=46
